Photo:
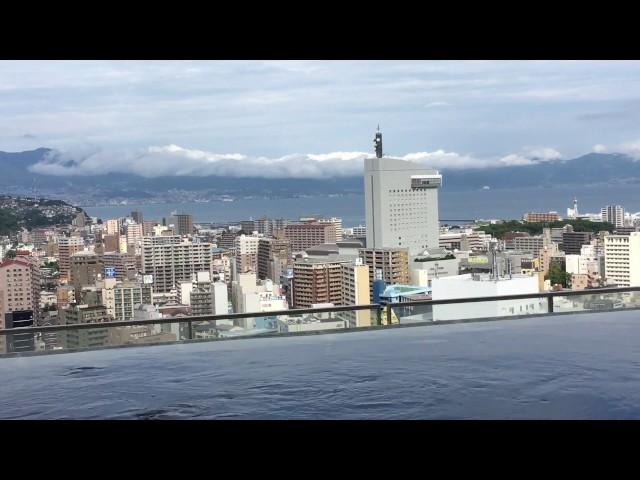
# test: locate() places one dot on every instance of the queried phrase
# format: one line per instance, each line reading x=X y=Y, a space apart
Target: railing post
x=388 y=315
x=190 y=324
x=379 y=315
x=549 y=304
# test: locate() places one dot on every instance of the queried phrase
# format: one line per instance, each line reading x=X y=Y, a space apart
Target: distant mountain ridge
x=589 y=169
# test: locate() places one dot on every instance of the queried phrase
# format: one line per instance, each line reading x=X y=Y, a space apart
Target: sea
x=457 y=206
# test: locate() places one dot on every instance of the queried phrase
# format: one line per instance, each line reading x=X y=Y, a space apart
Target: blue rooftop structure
x=395 y=293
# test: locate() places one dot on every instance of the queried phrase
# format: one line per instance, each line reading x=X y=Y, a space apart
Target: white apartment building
x=113 y=226
x=622 y=259
x=401 y=203
x=246 y=252
x=613 y=214
x=171 y=260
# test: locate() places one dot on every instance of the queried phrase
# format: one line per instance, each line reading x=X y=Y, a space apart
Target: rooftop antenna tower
x=495 y=274
x=377 y=143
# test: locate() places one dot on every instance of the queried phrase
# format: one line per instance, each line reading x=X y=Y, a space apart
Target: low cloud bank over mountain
x=174 y=160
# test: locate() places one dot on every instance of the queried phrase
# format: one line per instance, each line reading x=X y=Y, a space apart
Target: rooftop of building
x=574 y=366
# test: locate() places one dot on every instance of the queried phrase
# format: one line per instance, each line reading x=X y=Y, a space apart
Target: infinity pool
x=579 y=366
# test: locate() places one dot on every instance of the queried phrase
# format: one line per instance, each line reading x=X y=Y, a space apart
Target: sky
x=284 y=119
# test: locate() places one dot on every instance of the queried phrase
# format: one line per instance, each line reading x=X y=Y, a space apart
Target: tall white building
x=622 y=259
x=401 y=203
x=613 y=214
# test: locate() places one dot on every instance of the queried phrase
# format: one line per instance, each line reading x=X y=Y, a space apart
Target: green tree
x=558 y=276
x=10 y=254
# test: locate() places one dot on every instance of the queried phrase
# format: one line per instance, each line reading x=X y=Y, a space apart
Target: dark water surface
x=582 y=366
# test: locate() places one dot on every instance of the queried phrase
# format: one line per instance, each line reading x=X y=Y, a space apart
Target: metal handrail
x=379 y=307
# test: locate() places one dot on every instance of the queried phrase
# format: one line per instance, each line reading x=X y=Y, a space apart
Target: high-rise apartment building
x=128 y=296
x=182 y=223
x=274 y=257
x=122 y=265
x=393 y=262
x=622 y=259
x=134 y=236
x=613 y=214
x=306 y=235
x=246 y=252
x=86 y=268
x=111 y=243
x=67 y=246
x=19 y=287
x=113 y=226
x=401 y=203
x=317 y=281
x=171 y=260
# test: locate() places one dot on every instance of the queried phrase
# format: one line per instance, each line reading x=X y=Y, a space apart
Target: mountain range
x=587 y=170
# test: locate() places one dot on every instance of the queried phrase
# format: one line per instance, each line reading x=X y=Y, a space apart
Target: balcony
x=571 y=358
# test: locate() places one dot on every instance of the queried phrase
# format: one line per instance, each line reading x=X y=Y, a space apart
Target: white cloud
x=631 y=148
x=437 y=104
x=544 y=154
x=515 y=159
x=174 y=160
x=599 y=148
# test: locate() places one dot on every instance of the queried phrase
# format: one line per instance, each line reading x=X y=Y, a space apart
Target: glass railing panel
x=491 y=309
x=593 y=302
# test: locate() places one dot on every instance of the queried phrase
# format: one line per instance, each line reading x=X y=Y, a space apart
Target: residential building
x=19 y=287
x=393 y=263
x=541 y=217
x=274 y=257
x=401 y=204
x=613 y=214
x=67 y=246
x=305 y=235
x=246 y=253
x=123 y=265
x=527 y=244
x=111 y=243
x=356 y=291
x=86 y=268
x=317 y=281
x=337 y=223
x=182 y=223
x=622 y=260
x=128 y=296
x=171 y=260
x=113 y=227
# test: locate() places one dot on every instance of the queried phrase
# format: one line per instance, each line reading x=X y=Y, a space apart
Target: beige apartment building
x=306 y=235
x=19 y=287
